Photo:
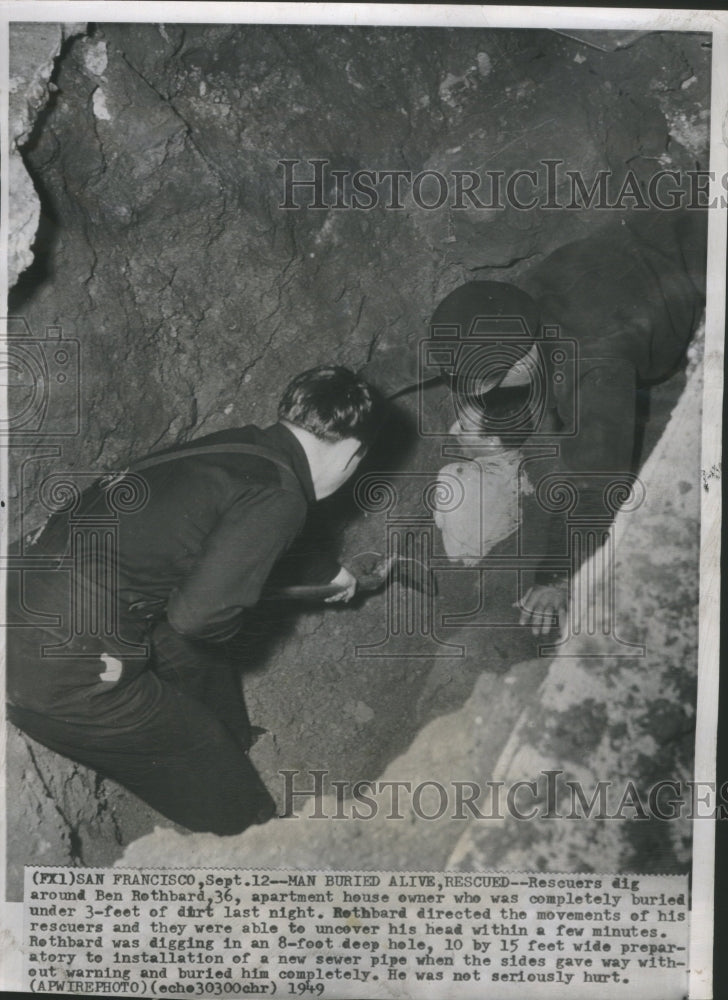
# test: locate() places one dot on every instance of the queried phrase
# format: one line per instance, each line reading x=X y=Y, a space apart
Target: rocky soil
x=161 y=247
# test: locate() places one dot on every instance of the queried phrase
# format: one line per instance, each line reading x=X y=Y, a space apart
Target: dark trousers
x=172 y=728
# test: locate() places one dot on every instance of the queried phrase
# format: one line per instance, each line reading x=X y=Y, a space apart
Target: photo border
x=454 y=16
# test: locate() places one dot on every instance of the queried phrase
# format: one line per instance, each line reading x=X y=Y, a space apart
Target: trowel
x=372 y=571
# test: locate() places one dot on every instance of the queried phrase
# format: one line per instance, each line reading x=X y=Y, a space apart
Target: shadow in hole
x=392 y=450
x=654 y=404
x=40 y=270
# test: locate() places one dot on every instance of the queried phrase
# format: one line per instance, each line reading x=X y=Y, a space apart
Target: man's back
x=206 y=484
x=218 y=513
x=632 y=290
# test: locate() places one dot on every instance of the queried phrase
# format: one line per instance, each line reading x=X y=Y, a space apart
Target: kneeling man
x=218 y=513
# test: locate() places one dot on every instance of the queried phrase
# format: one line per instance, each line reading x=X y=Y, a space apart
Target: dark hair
x=332 y=403
x=495 y=322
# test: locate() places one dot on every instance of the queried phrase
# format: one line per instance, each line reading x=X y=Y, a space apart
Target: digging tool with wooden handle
x=372 y=571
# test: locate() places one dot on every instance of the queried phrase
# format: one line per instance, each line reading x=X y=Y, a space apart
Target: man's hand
x=347 y=582
x=544 y=607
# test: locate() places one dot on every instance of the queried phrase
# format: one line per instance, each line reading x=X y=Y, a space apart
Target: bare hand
x=347 y=582
x=543 y=607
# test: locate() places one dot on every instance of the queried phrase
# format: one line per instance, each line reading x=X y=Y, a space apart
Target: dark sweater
x=630 y=296
x=210 y=532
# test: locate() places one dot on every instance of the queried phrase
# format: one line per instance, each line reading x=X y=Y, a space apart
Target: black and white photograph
x=361 y=470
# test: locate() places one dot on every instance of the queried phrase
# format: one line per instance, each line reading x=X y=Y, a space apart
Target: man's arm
x=234 y=563
x=312 y=559
x=604 y=443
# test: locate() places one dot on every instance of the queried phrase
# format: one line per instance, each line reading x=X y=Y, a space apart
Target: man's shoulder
x=246 y=434
x=240 y=454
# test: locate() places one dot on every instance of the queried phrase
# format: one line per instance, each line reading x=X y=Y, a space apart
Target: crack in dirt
x=508 y=264
x=74 y=839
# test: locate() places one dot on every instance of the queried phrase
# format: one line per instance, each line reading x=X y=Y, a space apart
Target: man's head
x=493 y=323
x=335 y=416
x=504 y=418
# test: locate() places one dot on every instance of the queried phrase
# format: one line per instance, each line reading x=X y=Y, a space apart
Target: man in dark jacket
x=149 y=701
x=628 y=297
